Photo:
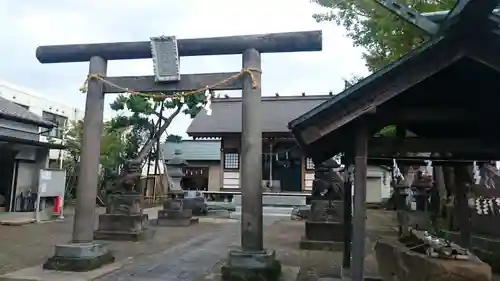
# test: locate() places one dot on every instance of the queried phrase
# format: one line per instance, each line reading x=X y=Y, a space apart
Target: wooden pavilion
x=446 y=92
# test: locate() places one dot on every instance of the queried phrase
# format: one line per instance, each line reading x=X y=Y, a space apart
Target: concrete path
x=188 y=261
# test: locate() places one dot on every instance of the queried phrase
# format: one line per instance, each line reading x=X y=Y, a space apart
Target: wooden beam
x=420 y=161
x=188 y=82
x=486 y=53
x=471 y=12
x=230 y=45
x=404 y=115
x=387 y=145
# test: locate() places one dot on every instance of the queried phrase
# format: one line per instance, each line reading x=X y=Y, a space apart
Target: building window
x=309 y=164
x=231 y=160
x=60 y=121
x=23 y=106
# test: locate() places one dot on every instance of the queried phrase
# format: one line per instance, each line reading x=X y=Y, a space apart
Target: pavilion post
x=348 y=162
x=359 y=216
x=461 y=205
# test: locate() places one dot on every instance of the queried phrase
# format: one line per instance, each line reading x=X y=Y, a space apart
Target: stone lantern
x=175 y=171
x=174 y=213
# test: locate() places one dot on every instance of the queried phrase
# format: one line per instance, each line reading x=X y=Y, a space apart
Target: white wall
x=378 y=184
x=38 y=103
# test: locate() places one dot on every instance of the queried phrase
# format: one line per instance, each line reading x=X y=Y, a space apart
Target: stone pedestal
x=248 y=266
x=325 y=227
x=78 y=257
x=174 y=214
x=398 y=263
x=124 y=220
x=487 y=248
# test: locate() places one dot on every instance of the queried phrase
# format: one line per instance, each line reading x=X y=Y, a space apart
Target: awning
x=14 y=140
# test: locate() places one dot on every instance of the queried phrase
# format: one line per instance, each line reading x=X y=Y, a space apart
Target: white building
x=49 y=109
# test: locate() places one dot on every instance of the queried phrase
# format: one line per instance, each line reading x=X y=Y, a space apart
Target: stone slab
x=324 y=231
x=319 y=207
x=124 y=235
x=321 y=245
x=218 y=220
x=122 y=222
x=288 y=273
x=250 y=259
x=78 y=257
x=37 y=273
x=396 y=262
x=80 y=250
x=177 y=222
x=125 y=204
x=251 y=265
x=276 y=200
x=175 y=214
x=346 y=275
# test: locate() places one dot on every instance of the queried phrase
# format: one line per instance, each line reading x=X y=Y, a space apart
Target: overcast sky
x=27 y=24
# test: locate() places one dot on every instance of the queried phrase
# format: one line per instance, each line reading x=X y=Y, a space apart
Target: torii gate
x=251 y=47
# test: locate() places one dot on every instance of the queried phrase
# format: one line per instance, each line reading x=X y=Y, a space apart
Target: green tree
x=141 y=124
x=174 y=138
x=384 y=36
x=111 y=156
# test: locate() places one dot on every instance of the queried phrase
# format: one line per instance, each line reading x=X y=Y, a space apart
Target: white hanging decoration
x=476 y=173
x=350 y=171
x=181 y=99
x=428 y=167
x=208 y=102
x=490 y=206
x=478 y=206
x=396 y=171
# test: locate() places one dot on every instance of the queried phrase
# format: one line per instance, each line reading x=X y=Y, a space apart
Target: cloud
x=32 y=23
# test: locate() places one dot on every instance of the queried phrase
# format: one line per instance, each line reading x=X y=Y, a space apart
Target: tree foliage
x=174 y=138
x=144 y=111
x=384 y=36
x=111 y=155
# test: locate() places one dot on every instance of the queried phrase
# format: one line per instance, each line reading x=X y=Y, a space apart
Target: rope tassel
x=208 y=102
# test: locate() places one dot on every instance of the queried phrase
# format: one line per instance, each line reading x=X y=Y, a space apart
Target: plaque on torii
x=165 y=54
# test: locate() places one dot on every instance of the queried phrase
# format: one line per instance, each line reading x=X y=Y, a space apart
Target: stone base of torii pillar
x=79 y=257
x=247 y=265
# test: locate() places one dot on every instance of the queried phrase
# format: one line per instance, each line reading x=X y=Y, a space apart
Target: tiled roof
x=10 y=110
x=276 y=112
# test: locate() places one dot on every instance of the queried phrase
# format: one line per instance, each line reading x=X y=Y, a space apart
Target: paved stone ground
x=186 y=254
x=30 y=245
x=188 y=261
x=284 y=235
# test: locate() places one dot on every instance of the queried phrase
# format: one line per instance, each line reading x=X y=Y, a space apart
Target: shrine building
x=285 y=168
